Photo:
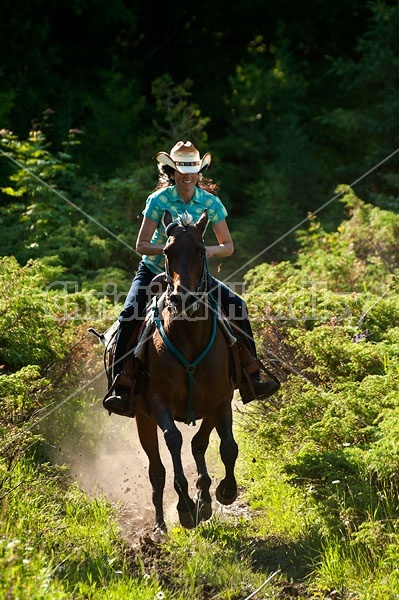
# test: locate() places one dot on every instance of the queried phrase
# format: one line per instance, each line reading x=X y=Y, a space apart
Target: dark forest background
x=291 y=98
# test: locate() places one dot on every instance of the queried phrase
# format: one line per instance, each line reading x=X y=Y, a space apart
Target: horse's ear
x=167 y=219
x=202 y=221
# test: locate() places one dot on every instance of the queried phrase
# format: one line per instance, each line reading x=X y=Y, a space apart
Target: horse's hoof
x=187 y=520
x=159 y=533
x=223 y=498
x=204 y=511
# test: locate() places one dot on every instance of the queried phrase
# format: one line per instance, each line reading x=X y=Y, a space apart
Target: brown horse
x=188 y=377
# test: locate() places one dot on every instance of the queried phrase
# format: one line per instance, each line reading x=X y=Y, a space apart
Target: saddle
x=134 y=375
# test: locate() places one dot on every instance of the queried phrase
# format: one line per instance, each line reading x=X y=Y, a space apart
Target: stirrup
x=246 y=388
x=131 y=411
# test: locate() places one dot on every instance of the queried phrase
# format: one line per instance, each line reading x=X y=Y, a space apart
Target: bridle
x=201 y=291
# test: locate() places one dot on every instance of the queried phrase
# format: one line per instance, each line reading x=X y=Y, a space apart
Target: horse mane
x=184 y=219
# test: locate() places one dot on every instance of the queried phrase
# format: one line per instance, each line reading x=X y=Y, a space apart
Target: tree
x=363 y=127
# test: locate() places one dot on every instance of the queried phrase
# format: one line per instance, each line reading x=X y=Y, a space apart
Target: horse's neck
x=190 y=335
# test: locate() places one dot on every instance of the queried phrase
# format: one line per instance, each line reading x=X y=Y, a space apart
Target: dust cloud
x=105 y=458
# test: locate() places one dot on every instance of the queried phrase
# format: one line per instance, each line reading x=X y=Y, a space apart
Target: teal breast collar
x=190 y=367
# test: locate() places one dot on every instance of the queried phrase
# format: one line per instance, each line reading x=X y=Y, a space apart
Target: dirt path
x=117 y=467
x=106 y=459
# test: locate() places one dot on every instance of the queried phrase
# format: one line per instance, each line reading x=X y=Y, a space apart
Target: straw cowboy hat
x=185 y=158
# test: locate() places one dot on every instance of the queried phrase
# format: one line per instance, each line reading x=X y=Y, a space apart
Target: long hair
x=166 y=177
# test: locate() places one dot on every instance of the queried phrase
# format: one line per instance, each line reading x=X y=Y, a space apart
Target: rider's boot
x=125 y=370
x=119 y=402
x=262 y=389
x=253 y=388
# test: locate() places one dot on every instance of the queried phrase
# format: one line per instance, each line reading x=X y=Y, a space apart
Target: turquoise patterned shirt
x=169 y=199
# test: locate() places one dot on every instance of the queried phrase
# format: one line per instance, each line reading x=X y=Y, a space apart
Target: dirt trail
x=117 y=468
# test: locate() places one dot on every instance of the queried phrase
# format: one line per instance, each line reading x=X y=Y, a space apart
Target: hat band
x=187 y=164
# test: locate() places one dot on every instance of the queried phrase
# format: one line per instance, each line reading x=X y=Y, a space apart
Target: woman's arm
x=223 y=236
x=143 y=243
x=221 y=229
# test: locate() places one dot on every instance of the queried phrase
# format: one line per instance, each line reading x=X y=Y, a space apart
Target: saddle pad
x=144 y=336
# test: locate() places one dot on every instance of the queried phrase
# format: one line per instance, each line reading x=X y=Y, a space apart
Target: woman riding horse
x=182 y=188
x=187 y=358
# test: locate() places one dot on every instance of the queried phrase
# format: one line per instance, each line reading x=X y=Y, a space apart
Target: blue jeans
x=139 y=296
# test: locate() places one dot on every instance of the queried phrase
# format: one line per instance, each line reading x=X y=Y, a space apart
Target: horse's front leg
x=199 y=445
x=174 y=442
x=148 y=434
x=226 y=492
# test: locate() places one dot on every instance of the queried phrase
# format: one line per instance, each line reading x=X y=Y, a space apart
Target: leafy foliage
x=83 y=234
x=330 y=321
x=362 y=128
x=285 y=118
x=28 y=335
x=39 y=324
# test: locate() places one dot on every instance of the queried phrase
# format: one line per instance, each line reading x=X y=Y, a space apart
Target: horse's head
x=185 y=261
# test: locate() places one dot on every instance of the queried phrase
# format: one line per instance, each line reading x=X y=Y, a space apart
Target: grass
x=56 y=542
x=362 y=563
x=213 y=561
x=358 y=559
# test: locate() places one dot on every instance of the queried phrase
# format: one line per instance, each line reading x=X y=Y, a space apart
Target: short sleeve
x=216 y=210
x=153 y=209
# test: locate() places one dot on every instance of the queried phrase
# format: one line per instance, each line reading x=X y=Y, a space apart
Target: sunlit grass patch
x=279 y=508
x=55 y=542
x=214 y=559
x=356 y=570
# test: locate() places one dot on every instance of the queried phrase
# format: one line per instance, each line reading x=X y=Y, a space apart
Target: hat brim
x=165 y=159
x=206 y=161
